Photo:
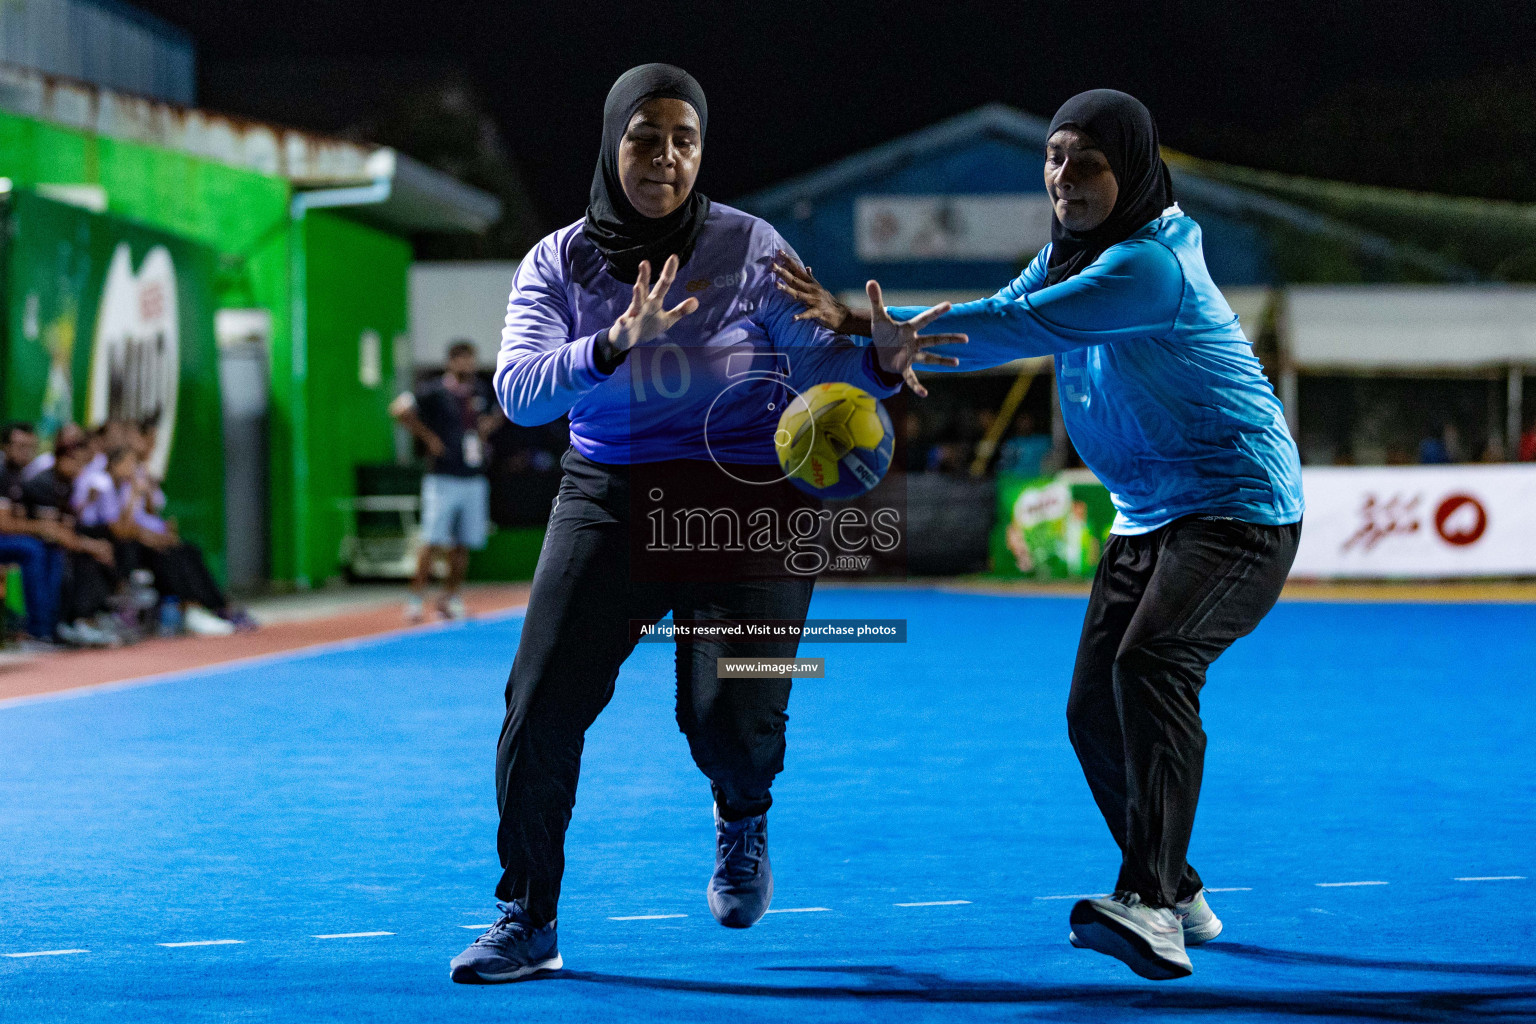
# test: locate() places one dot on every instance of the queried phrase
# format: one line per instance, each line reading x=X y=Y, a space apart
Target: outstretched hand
x=899 y=346
x=797 y=282
x=647 y=317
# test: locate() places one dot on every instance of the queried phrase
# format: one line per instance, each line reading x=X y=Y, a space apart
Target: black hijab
x=620 y=232
x=1125 y=131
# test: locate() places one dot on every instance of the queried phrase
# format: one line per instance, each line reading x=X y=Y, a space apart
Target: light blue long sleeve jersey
x=712 y=386
x=1160 y=391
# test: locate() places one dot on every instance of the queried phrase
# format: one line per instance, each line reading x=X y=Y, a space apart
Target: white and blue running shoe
x=1199 y=921
x=1196 y=917
x=1148 y=940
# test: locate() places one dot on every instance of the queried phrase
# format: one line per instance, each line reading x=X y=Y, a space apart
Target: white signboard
x=995 y=227
x=1435 y=521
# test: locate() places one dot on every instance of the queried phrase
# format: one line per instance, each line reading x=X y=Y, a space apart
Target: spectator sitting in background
x=114 y=506
x=944 y=458
x=142 y=437
x=101 y=439
x=69 y=434
x=90 y=570
x=1528 y=443
x=451 y=416
x=27 y=543
x=1446 y=448
x=1025 y=453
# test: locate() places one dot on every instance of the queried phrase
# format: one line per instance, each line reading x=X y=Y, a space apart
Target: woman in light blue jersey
x=674 y=392
x=1165 y=401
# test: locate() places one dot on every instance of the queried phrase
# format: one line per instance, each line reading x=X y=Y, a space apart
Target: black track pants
x=1165 y=605
x=88 y=587
x=576 y=634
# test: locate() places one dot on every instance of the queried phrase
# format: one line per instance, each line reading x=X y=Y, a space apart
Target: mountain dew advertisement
x=1050 y=528
x=110 y=320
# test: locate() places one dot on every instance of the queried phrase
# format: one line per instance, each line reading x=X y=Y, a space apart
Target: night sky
x=1390 y=93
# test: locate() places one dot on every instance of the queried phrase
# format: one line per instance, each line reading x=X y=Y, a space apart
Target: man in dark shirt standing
x=451 y=416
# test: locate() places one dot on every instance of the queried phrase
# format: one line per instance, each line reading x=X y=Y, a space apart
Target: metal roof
x=413 y=196
x=998 y=120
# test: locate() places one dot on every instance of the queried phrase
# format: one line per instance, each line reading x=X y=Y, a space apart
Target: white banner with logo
x=1002 y=227
x=1408 y=521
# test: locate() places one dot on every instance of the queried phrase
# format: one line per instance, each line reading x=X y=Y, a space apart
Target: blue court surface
x=311 y=838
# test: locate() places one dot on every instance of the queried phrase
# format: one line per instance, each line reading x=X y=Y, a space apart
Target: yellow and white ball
x=835 y=441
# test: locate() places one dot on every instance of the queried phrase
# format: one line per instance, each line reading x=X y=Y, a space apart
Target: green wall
x=352 y=277
x=356 y=282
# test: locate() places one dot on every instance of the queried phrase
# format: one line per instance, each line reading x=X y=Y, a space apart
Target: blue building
x=959 y=208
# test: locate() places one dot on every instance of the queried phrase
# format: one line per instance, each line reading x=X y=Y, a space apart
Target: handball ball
x=835 y=441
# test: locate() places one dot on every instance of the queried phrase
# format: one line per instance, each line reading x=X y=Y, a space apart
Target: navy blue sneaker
x=509 y=950
x=742 y=885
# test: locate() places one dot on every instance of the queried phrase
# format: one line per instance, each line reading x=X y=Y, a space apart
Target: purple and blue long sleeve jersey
x=724 y=372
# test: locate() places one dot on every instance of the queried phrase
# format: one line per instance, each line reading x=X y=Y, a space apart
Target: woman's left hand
x=899 y=346
x=820 y=305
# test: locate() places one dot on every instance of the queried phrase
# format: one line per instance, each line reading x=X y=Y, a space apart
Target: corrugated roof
x=997 y=120
x=1495 y=236
x=437 y=201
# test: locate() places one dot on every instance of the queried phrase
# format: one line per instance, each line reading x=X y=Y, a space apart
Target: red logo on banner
x=1461 y=519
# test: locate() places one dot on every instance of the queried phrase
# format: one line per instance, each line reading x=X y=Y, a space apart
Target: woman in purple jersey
x=674 y=390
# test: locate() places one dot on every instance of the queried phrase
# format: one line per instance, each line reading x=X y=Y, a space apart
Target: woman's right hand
x=647 y=316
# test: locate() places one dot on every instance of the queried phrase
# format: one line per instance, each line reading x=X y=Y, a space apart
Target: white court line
x=1341 y=885
x=204 y=942
x=936 y=903
x=800 y=910
x=49 y=952
x=1233 y=888
x=472 y=926
x=351 y=935
x=1491 y=878
x=1076 y=896
x=647 y=917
